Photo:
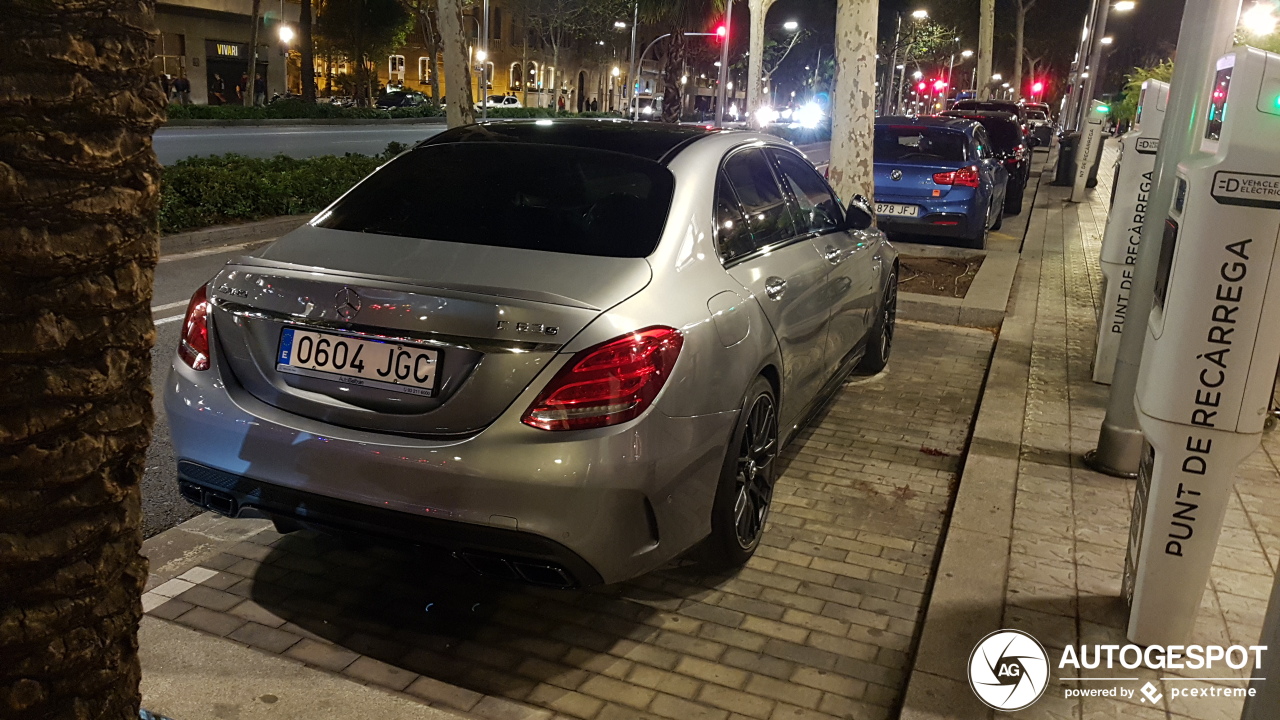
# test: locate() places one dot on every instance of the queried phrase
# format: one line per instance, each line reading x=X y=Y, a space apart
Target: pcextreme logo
x=1009 y=670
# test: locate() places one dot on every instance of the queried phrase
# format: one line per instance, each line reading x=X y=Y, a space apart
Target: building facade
x=208 y=40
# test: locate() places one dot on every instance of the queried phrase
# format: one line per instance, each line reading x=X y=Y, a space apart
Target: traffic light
x=721 y=31
x=940 y=85
x=1037 y=87
x=921 y=86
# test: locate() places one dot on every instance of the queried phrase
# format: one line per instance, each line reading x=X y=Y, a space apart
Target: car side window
x=984 y=146
x=818 y=210
x=733 y=237
x=761 y=198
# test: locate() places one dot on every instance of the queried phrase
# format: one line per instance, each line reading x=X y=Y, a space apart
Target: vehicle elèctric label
x=1248 y=189
x=1147 y=146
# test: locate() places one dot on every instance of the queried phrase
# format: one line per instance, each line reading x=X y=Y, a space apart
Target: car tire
x=1013 y=204
x=743 y=496
x=880 y=341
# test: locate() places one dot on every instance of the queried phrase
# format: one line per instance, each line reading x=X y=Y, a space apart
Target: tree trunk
x=759 y=10
x=524 y=68
x=853 y=99
x=79 y=192
x=251 y=76
x=460 y=109
x=1020 y=26
x=433 y=49
x=986 y=40
x=672 y=67
x=308 y=50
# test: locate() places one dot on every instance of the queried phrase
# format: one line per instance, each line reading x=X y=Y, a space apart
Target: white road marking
x=219 y=250
x=170 y=319
x=168 y=306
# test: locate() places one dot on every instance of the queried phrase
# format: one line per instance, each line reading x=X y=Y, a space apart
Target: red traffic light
x=1037 y=87
x=722 y=31
x=921 y=87
x=940 y=85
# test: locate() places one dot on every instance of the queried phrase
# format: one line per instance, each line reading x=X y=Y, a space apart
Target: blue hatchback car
x=937 y=176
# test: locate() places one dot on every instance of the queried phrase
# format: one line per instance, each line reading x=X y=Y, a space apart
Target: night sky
x=1142 y=37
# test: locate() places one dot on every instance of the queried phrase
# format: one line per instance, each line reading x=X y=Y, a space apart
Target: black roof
x=926 y=121
x=652 y=141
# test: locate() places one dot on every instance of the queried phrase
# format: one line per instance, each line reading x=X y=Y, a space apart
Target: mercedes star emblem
x=896 y=174
x=348 y=303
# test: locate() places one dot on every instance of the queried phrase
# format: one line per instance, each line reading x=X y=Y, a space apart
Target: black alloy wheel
x=880 y=343
x=753 y=483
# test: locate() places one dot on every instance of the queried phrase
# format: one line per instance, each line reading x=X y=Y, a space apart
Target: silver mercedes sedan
x=564 y=351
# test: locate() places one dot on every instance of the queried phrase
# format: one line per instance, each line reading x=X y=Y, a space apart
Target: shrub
x=296 y=110
x=199 y=192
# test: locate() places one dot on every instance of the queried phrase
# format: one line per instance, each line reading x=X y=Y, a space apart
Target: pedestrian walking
x=560 y=104
x=218 y=91
x=182 y=89
x=165 y=86
x=259 y=90
x=242 y=87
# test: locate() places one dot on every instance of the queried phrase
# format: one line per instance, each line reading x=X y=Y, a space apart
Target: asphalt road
x=177 y=277
x=174 y=144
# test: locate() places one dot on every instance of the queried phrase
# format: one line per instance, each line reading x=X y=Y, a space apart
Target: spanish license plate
x=897 y=210
x=353 y=361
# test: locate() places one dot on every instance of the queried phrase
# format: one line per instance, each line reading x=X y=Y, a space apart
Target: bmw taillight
x=964 y=177
x=193 y=348
x=608 y=384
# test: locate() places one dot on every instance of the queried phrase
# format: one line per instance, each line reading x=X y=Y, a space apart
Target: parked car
x=400 y=99
x=501 y=101
x=1009 y=147
x=520 y=343
x=1039 y=127
x=938 y=176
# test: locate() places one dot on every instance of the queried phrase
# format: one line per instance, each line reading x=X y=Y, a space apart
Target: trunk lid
x=911 y=181
x=496 y=316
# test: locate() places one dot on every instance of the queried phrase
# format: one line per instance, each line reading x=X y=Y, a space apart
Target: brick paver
x=818 y=625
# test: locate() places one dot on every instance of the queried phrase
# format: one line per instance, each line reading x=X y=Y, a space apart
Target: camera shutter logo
x=1009 y=670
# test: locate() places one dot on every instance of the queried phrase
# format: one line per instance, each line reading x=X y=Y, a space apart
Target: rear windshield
x=533 y=197
x=1005 y=134
x=909 y=142
x=987 y=105
x=1036 y=115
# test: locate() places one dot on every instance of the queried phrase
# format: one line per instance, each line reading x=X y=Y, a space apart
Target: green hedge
x=295 y=110
x=200 y=192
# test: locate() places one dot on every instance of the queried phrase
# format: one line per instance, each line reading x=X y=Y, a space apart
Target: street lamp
x=1107 y=40
x=1125 y=5
x=920 y=14
x=620 y=25
x=286 y=34
x=1259 y=19
x=791 y=26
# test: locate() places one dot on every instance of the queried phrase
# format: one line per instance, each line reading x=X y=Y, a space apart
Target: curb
x=224 y=234
x=270 y=122
x=967 y=598
x=983 y=306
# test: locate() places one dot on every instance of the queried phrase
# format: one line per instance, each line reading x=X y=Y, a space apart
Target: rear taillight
x=964 y=177
x=607 y=384
x=193 y=348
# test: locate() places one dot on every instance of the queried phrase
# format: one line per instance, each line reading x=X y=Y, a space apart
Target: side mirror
x=859 y=215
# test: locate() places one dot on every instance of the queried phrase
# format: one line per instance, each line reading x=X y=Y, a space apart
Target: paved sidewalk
x=820 y=624
x=1037 y=540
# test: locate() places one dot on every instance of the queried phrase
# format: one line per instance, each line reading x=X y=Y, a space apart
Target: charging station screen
x=1142 y=96
x=1218 y=104
x=1166 y=261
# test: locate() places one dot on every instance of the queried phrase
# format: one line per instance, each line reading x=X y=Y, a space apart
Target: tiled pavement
x=820 y=624
x=1066 y=547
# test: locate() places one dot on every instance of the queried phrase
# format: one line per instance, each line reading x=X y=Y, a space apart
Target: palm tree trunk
x=672 y=68
x=79 y=191
x=308 y=50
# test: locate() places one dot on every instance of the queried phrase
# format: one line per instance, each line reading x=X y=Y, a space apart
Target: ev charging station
x=1123 y=235
x=1089 y=148
x=1212 y=345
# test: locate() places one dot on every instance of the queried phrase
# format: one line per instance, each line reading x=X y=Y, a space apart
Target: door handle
x=774 y=287
x=832 y=255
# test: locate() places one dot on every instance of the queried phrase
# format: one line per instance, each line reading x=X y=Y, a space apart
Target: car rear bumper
x=599 y=505
x=948 y=219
